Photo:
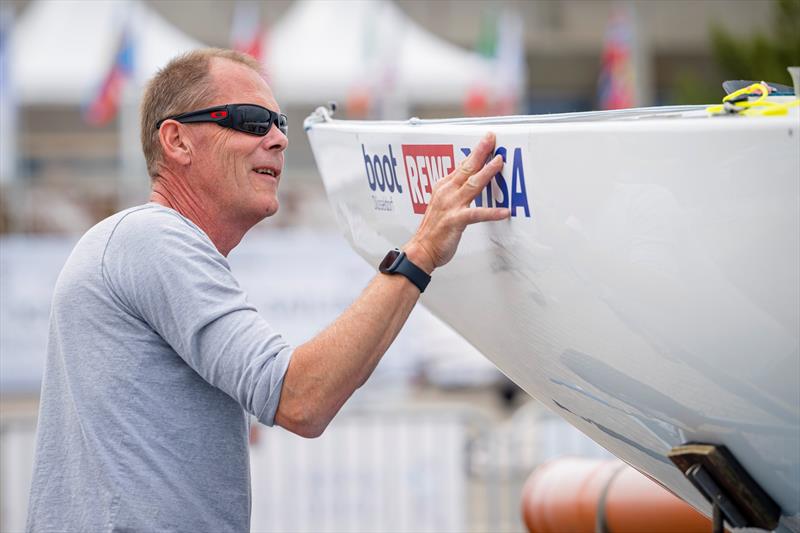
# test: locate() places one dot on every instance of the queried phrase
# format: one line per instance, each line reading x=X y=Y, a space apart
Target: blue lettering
x=381 y=171
x=500 y=180
x=519 y=196
x=387 y=171
x=368 y=166
x=376 y=165
x=394 y=170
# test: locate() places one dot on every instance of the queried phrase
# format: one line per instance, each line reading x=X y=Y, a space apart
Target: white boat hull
x=646 y=288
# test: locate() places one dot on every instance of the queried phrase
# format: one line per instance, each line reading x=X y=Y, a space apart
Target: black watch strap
x=396 y=262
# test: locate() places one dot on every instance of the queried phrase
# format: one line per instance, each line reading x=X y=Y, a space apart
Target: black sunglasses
x=249 y=118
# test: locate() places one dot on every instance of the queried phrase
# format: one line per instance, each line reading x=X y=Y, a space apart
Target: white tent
x=320 y=50
x=324 y=49
x=62 y=50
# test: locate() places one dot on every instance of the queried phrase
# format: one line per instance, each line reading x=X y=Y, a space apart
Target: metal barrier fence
x=382 y=471
x=428 y=469
x=372 y=471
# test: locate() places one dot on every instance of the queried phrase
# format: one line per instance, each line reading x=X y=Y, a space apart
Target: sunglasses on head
x=249 y=118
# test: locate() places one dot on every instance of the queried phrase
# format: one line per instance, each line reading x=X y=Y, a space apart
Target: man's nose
x=275 y=140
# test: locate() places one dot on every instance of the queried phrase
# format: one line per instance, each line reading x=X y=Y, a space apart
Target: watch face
x=389 y=260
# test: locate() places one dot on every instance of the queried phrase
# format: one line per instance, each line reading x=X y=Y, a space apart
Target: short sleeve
x=166 y=272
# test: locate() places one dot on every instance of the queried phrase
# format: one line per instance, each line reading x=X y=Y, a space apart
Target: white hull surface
x=646 y=287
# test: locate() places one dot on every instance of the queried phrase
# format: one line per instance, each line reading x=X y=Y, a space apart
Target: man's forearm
x=326 y=370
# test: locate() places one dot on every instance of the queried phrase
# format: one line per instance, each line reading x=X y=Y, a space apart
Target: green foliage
x=762 y=56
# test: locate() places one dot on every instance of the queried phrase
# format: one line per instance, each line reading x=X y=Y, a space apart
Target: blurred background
x=438 y=440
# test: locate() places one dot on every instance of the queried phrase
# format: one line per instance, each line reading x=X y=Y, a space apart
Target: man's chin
x=254 y=215
x=271 y=209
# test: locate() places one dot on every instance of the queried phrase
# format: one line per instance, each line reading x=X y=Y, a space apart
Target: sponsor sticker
x=381 y=172
x=425 y=164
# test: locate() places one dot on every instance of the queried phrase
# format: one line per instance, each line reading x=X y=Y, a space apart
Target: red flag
x=616 y=86
x=103 y=107
x=247 y=32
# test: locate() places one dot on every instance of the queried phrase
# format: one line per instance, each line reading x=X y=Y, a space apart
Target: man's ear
x=175 y=143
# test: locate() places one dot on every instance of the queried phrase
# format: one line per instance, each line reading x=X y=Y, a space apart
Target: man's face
x=229 y=166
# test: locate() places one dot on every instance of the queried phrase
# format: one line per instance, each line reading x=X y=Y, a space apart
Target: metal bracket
x=735 y=496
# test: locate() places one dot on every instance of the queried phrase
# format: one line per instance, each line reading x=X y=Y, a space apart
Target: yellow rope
x=758 y=107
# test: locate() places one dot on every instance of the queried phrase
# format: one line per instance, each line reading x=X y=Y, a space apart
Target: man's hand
x=448 y=212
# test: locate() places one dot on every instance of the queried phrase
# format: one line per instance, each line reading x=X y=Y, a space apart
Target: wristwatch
x=396 y=262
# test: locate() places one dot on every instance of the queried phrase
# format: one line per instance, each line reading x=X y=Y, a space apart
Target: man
x=155 y=356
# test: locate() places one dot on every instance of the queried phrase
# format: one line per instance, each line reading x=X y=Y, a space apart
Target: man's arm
x=326 y=370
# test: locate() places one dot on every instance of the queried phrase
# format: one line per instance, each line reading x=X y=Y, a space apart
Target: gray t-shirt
x=154 y=356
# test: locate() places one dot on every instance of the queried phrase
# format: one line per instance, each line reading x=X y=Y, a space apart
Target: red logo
x=425 y=165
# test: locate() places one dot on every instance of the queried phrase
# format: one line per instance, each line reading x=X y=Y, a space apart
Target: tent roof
x=325 y=49
x=320 y=50
x=61 y=51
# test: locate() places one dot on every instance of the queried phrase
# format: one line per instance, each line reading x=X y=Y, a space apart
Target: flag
x=247 y=32
x=616 y=87
x=105 y=103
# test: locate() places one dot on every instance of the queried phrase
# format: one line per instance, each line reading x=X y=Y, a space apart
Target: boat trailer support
x=735 y=496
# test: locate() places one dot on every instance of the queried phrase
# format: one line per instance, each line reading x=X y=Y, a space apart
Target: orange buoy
x=577 y=495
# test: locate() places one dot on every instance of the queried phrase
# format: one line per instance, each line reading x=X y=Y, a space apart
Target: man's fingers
x=486 y=214
x=474 y=162
x=479 y=180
